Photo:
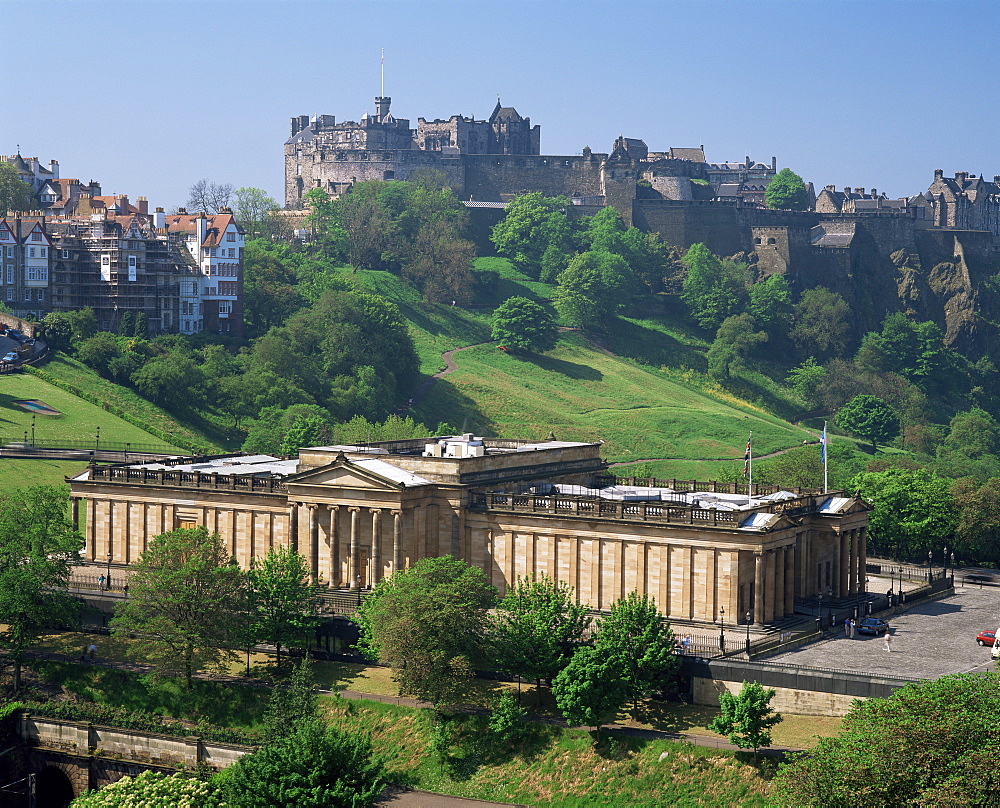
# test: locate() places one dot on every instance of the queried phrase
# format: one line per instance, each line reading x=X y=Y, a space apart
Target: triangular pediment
x=343 y=474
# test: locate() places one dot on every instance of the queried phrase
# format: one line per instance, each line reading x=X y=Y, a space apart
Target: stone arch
x=54 y=785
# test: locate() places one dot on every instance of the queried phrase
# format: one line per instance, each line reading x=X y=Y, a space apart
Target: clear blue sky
x=147 y=97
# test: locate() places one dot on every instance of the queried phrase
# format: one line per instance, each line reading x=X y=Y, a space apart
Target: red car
x=987 y=638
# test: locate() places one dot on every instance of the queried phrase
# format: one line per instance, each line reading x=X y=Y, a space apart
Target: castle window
x=772 y=241
x=388 y=175
x=757 y=241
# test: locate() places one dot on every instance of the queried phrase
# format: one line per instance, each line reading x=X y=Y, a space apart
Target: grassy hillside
x=641 y=389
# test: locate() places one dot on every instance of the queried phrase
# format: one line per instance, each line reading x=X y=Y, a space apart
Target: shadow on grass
x=652 y=348
x=572 y=370
x=478 y=747
x=445 y=403
x=672 y=717
x=613 y=746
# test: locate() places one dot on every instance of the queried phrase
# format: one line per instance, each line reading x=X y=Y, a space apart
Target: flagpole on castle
x=825 y=457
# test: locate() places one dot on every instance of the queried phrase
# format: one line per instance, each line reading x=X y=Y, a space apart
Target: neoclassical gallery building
x=511 y=507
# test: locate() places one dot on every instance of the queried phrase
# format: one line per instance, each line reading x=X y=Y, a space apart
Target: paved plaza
x=928 y=641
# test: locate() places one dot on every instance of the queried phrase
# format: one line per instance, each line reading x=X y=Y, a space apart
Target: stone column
x=845 y=565
x=790 y=579
x=92 y=529
x=314 y=543
x=74 y=504
x=333 y=540
x=779 y=583
x=862 y=558
x=354 y=578
x=376 y=555
x=855 y=571
x=293 y=526
x=397 y=543
x=758 y=588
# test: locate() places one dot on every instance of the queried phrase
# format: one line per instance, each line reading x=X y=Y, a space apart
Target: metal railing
x=188 y=479
x=92 y=445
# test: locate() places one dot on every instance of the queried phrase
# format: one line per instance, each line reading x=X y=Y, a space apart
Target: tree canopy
x=713 y=289
x=746 y=717
x=15 y=194
x=869 y=417
x=533 y=224
x=786 y=191
x=282 y=599
x=593 y=288
x=208 y=196
x=933 y=743
x=428 y=622
x=523 y=325
x=186 y=599
x=37 y=544
x=822 y=323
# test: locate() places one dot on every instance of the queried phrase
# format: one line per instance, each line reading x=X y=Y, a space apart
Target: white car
x=10 y=357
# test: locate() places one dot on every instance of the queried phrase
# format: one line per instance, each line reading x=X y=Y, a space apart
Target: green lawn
x=581 y=393
x=78 y=420
x=17 y=473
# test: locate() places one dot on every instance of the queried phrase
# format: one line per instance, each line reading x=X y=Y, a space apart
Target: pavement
x=930 y=640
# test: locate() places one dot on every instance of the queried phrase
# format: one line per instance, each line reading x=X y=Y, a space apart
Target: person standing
x=847 y=627
x=851 y=628
x=888 y=640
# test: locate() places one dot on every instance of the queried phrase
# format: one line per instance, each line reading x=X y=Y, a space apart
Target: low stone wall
x=26 y=328
x=786 y=700
x=83 y=738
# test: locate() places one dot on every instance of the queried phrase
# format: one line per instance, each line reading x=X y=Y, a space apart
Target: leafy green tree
x=284 y=601
x=99 y=351
x=734 y=342
x=523 y=325
x=636 y=636
x=870 y=418
x=254 y=211
x=972 y=434
x=270 y=293
x=713 y=289
x=507 y=717
x=600 y=277
x=771 y=305
x=590 y=689
x=913 y=510
x=805 y=380
x=37 y=544
x=306 y=430
x=533 y=223
x=152 y=789
x=141 y=325
x=57 y=331
x=536 y=627
x=440 y=262
x=428 y=623
x=786 y=191
x=172 y=380
x=15 y=194
x=313 y=767
x=931 y=743
x=821 y=323
x=746 y=717
x=293 y=702
x=185 y=600
x=126 y=324
x=977 y=532
x=84 y=322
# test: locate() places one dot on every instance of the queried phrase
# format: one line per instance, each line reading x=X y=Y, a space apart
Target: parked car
x=872 y=625
x=10 y=357
x=987 y=638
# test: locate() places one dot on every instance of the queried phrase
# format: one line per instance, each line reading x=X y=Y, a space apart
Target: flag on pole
x=746 y=457
x=822 y=445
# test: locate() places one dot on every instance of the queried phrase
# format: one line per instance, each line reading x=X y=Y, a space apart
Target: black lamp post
x=829 y=595
x=930 y=568
x=97 y=441
x=820 y=611
x=722 y=629
x=107 y=579
x=749 y=619
x=32 y=429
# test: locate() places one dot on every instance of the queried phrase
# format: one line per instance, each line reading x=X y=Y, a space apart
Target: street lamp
x=722 y=630
x=32 y=429
x=97 y=441
x=819 y=619
x=829 y=595
x=749 y=618
x=930 y=568
x=107 y=579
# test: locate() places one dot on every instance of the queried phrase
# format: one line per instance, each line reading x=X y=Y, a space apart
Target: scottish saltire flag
x=822 y=445
x=746 y=457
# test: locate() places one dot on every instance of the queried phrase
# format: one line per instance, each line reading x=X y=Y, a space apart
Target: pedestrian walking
x=100 y=582
x=92 y=652
x=847 y=627
x=888 y=640
x=686 y=643
x=125 y=590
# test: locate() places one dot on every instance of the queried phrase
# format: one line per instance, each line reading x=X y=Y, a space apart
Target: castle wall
x=501 y=177
x=681 y=224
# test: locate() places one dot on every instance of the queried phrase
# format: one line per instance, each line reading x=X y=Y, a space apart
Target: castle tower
x=382 y=103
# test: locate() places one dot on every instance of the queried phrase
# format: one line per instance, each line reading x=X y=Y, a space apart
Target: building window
x=230 y=237
x=41 y=295
x=232 y=252
x=27 y=294
x=10 y=294
x=31 y=252
x=64 y=254
x=225 y=307
x=36 y=236
x=10 y=273
x=43 y=252
x=10 y=252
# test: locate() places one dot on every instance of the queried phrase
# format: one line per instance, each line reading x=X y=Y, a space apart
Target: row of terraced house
x=184 y=271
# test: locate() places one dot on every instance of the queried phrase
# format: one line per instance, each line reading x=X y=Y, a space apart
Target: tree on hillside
x=821 y=323
x=208 y=196
x=601 y=278
x=428 y=623
x=253 y=209
x=172 y=380
x=713 y=289
x=15 y=194
x=734 y=342
x=933 y=743
x=977 y=532
x=914 y=510
x=37 y=544
x=805 y=380
x=186 y=600
x=870 y=418
x=314 y=766
x=746 y=717
x=645 y=254
x=771 y=305
x=84 y=323
x=523 y=325
x=590 y=689
x=536 y=627
x=786 y=191
x=57 y=331
x=283 y=600
x=533 y=223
